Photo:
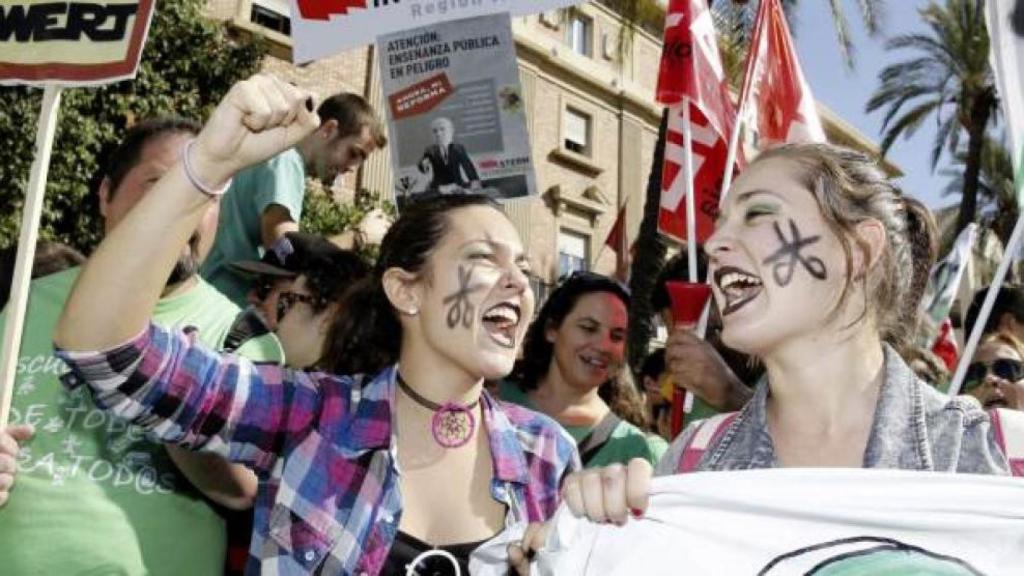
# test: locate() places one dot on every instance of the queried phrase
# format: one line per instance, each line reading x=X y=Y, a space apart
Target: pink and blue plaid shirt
x=323 y=445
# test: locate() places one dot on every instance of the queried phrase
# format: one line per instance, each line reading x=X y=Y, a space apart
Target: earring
x=413 y=311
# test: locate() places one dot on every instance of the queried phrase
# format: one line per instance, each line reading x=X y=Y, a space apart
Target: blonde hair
x=849 y=189
x=1005 y=339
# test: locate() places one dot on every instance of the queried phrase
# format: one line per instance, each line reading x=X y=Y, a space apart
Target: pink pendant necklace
x=453 y=424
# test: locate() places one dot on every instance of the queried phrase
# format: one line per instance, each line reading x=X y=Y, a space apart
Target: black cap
x=289 y=256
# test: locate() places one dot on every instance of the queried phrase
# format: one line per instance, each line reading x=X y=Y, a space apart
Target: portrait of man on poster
x=446 y=162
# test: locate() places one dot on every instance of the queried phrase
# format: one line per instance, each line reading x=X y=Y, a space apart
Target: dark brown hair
x=620 y=391
x=352 y=112
x=127 y=154
x=365 y=335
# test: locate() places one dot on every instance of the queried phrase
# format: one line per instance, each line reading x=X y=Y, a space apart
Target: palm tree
x=949 y=78
x=997 y=196
x=740 y=14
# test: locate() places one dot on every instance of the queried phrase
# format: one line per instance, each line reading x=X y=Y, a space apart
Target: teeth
x=738 y=278
x=505 y=312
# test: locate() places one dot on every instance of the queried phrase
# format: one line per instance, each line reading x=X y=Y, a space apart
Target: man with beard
x=265 y=201
x=115 y=502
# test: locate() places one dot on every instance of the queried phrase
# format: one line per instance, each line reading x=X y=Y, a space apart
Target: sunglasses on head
x=1005 y=368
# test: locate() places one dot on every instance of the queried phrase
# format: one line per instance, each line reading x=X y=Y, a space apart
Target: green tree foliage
x=947 y=79
x=324 y=216
x=188 y=64
x=997 y=196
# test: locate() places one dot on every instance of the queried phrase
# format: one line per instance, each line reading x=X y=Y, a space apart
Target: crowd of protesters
x=295 y=409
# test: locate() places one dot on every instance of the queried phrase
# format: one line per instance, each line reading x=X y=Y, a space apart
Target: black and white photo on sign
x=455 y=110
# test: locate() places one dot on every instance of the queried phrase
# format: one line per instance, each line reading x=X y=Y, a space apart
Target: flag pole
x=682 y=400
x=753 y=58
x=691 y=216
x=986 y=307
x=31 y=213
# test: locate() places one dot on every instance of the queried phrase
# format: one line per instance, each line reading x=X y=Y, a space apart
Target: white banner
x=1005 y=20
x=788 y=522
x=943 y=286
x=455 y=111
x=324 y=27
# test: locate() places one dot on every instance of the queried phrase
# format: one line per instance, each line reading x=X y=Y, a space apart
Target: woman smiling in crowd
x=574 y=370
x=817 y=263
x=444 y=308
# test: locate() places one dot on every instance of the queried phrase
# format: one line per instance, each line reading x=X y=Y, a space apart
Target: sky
x=846 y=92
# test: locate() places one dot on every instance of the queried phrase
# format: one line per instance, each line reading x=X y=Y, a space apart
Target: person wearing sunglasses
x=301 y=268
x=818 y=264
x=305 y=311
x=396 y=448
x=995 y=377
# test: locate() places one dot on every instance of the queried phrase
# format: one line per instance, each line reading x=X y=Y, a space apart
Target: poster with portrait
x=803 y=521
x=455 y=110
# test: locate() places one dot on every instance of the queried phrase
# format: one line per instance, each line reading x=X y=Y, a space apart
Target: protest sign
x=324 y=27
x=455 y=110
x=803 y=521
x=55 y=44
x=71 y=43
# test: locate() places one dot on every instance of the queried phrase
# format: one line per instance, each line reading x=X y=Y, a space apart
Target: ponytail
x=922 y=235
x=364 y=333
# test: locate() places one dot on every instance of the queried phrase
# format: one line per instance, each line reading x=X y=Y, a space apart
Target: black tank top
x=407 y=548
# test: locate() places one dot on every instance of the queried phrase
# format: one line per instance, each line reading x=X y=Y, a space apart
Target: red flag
x=616 y=237
x=945 y=345
x=783 y=108
x=618 y=241
x=691 y=74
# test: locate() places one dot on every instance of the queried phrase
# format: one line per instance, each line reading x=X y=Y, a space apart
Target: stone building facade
x=591 y=115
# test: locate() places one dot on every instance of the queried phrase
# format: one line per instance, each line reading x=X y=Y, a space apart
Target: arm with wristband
x=115 y=294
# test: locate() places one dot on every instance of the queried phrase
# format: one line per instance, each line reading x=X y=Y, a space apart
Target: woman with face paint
x=574 y=370
x=409 y=463
x=818 y=264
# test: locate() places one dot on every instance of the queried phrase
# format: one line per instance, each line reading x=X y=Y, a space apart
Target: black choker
x=452 y=425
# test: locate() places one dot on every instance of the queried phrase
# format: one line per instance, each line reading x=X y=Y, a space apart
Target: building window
x=572 y=252
x=577 y=132
x=272 y=15
x=580 y=30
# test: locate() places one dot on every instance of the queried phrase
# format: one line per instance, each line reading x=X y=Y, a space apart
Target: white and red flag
x=692 y=74
x=783 y=108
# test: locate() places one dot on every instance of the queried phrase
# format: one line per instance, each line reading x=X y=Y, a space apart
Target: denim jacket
x=915 y=428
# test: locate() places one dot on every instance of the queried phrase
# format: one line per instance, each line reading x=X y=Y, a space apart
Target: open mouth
x=738 y=286
x=501 y=322
x=594 y=362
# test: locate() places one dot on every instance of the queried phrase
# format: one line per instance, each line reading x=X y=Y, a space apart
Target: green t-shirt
x=626 y=442
x=93 y=496
x=280 y=180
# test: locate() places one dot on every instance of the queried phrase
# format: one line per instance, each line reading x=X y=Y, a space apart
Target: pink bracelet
x=190 y=173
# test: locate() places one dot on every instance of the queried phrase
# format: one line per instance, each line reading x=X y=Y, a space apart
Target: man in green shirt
x=93 y=496
x=265 y=201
